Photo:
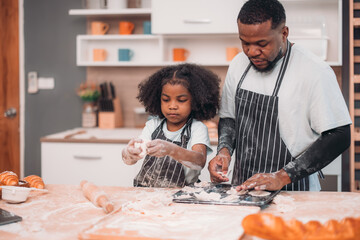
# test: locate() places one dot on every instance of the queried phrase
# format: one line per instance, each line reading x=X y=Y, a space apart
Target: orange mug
x=99 y=28
x=180 y=54
x=231 y=52
x=99 y=55
x=126 y=27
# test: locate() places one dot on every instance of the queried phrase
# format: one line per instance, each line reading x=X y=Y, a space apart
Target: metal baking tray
x=246 y=199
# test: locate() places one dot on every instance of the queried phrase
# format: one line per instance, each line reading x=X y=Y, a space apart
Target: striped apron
x=259 y=147
x=163 y=171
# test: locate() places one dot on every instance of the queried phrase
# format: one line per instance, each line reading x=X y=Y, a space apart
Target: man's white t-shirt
x=310 y=100
x=199 y=135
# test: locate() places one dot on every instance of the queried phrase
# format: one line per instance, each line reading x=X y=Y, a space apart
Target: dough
x=233 y=191
x=143 y=147
x=259 y=193
x=204 y=196
x=202 y=184
x=230 y=198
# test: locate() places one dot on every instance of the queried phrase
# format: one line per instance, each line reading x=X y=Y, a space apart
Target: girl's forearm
x=190 y=158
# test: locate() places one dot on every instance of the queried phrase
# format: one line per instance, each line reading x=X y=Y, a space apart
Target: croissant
x=35 y=181
x=271 y=227
x=9 y=178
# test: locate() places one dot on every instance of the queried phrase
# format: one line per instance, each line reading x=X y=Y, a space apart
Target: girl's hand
x=220 y=163
x=130 y=153
x=160 y=148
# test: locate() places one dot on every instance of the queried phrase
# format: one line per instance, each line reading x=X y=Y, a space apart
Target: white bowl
x=12 y=194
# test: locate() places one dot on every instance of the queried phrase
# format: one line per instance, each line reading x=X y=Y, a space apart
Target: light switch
x=46 y=83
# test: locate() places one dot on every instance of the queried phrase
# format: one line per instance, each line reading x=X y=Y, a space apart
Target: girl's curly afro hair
x=202 y=84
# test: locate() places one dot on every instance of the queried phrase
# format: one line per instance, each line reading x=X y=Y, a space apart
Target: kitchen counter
x=94 y=135
x=98 y=135
x=64 y=213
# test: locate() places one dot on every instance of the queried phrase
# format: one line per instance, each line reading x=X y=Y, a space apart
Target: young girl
x=177 y=142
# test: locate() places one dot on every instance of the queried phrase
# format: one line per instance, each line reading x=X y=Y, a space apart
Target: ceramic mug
x=180 y=54
x=147 y=27
x=126 y=27
x=231 y=52
x=125 y=54
x=116 y=4
x=99 y=28
x=99 y=55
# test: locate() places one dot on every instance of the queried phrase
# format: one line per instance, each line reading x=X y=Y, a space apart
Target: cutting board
x=173 y=221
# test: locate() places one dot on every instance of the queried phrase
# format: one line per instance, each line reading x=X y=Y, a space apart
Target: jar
x=89 y=115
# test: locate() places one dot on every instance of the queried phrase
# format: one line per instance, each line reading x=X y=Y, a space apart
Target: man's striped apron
x=259 y=147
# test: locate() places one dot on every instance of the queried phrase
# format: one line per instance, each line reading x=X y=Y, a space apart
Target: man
x=281 y=108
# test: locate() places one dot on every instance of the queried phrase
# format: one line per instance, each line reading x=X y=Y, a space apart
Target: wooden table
x=64 y=213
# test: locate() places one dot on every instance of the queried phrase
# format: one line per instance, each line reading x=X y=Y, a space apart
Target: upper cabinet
x=204 y=29
x=316 y=25
x=195 y=17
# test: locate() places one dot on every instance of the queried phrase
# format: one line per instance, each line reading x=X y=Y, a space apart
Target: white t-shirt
x=310 y=100
x=199 y=135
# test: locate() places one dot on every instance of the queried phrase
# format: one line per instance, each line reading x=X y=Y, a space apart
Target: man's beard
x=271 y=63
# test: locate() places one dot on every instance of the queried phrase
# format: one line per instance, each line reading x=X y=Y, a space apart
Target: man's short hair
x=260 y=11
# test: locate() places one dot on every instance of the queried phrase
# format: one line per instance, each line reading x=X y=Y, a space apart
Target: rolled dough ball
x=259 y=193
x=233 y=191
x=143 y=147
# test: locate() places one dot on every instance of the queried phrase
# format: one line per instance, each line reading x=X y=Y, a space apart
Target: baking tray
x=246 y=199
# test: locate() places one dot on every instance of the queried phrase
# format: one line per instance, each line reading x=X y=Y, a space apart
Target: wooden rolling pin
x=96 y=196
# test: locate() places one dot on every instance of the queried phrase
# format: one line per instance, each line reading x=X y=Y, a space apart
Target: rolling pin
x=96 y=196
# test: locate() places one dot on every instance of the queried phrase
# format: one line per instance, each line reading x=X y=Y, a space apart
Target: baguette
x=35 y=181
x=268 y=226
x=9 y=178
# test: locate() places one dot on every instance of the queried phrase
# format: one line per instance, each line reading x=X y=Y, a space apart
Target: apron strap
x=280 y=75
x=282 y=69
x=244 y=75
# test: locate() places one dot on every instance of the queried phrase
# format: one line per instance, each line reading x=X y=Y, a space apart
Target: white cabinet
x=316 y=25
x=100 y=163
x=206 y=28
x=195 y=17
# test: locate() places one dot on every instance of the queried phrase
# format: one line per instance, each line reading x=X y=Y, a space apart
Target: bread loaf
x=9 y=178
x=268 y=226
x=35 y=181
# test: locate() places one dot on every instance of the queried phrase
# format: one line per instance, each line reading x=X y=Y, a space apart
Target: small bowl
x=13 y=194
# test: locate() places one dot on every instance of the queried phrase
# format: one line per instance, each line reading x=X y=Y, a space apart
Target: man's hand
x=220 y=163
x=160 y=148
x=266 y=181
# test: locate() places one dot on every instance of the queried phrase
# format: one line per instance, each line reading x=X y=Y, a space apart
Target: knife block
x=112 y=119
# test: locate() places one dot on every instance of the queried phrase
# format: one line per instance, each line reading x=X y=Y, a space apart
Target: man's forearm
x=322 y=152
x=226 y=132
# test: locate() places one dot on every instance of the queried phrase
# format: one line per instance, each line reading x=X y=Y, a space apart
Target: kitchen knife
x=112 y=89
x=102 y=90
x=106 y=95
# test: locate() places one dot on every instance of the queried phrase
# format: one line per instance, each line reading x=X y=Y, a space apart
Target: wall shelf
x=111 y=12
x=207 y=43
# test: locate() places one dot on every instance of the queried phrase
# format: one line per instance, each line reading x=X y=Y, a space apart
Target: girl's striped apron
x=163 y=171
x=259 y=147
